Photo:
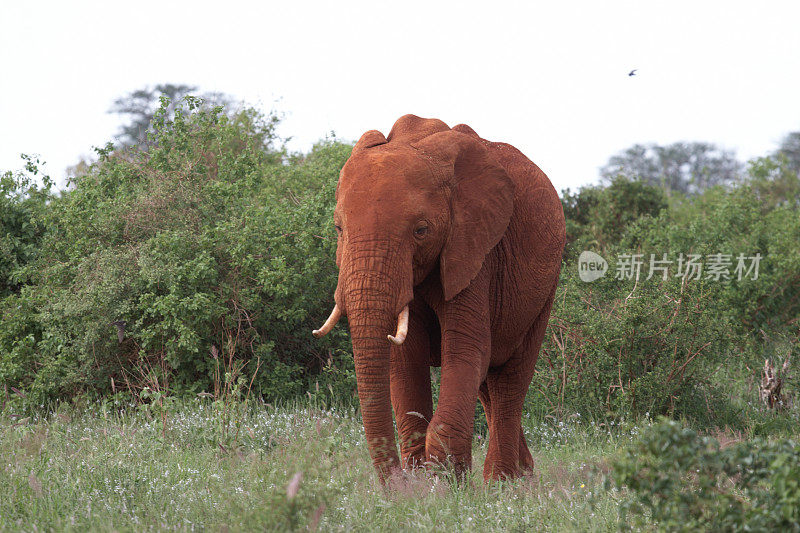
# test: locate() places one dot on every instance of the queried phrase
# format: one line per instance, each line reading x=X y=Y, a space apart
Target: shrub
x=207 y=236
x=619 y=349
x=733 y=222
x=686 y=482
x=22 y=203
x=597 y=217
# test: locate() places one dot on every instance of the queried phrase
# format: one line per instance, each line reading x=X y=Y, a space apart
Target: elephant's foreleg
x=525 y=457
x=465 y=348
x=411 y=386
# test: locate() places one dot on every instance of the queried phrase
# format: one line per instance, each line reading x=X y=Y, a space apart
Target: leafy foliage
x=624 y=347
x=141 y=106
x=684 y=481
x=597 y=217
x=22 y=203
x=615 y=349
x=775 y=180
x=210 y=238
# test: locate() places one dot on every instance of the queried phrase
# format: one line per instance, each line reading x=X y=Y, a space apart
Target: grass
x=100 y=469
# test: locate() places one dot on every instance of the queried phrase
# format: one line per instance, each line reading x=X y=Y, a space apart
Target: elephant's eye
x=421 y=231
x=338 y=228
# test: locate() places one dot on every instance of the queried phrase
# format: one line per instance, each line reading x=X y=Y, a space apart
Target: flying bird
x=633 y=72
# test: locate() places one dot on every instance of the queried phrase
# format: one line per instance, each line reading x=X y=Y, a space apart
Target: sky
x=551 y=78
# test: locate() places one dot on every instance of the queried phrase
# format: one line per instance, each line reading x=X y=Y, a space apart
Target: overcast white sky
x=549 y=77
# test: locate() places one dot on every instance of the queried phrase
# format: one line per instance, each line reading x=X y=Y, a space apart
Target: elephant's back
x=538 y=213
x=528 y=257
x=534 y=193
x=536 y=201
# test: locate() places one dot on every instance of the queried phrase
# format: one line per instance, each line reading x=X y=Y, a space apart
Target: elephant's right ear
x=481 y=205
x=368 y=140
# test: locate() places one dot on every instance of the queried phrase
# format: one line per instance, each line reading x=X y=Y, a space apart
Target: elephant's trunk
x=371 y=351
x=374 y=283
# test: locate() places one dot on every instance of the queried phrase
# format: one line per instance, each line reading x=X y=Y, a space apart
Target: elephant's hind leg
x=525 y=459
x=508 y=455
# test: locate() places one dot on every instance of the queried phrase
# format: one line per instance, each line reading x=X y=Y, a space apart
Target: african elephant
x=458 y=242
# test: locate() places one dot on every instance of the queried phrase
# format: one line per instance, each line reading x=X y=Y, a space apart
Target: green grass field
x=100 y=469
x=87 y=469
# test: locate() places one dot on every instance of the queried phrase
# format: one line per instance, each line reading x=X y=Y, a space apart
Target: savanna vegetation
x=158 y=371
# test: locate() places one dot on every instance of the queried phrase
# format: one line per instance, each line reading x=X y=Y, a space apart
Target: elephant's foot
x=499 y=473
x=412 y=452
x=508 y=465
x=525 y=457
x=499 y=467
x=507 y=461
x=446 y=448
x=385 y=460
x=492 y=463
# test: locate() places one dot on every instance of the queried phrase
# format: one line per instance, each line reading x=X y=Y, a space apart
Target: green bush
x=620 y=347
x=207 y=236
x=22 y=203
x=684 y=481
x=597 y=217
x=733 y=222
x=616 y=348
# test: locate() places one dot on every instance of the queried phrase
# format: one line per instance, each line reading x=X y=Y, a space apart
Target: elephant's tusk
x=402 y=328
x=326 y=328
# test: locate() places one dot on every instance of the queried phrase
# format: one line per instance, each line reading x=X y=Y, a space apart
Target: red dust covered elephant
x=455 y=243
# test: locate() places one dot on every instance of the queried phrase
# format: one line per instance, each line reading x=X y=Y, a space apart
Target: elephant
x=456 y=241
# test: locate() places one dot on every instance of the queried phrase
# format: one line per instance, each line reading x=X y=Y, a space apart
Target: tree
x=775 y=181
x=141 y=105
x=685 y=167
x=598 y=216
x=790 y=149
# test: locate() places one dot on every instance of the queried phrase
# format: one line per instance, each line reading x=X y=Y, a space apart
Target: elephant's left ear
x=482 y=204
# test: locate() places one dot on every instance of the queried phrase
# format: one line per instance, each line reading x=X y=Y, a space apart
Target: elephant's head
x=427 y=197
